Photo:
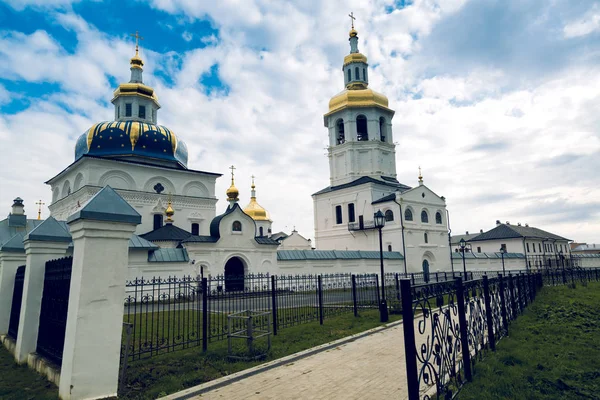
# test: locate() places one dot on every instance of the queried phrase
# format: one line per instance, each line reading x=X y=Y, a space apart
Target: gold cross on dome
x=40 y=204
x=352 y=18
x=137 y=40
x=253 y=179
x=232 y=168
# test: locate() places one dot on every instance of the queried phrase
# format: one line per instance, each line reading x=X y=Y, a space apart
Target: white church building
x=362 y=167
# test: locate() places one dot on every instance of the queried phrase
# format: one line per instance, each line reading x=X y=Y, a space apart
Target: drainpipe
x=450 y=240
x=403 y=242
x=525 y=251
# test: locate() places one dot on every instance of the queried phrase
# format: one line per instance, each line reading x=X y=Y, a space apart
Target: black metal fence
x=54 y=309
x=457 y=322
x=15 y=308
x=165 y=315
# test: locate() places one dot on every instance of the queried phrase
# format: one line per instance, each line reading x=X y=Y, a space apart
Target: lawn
x=18 y=382
x=169 y=373
x=552 y=351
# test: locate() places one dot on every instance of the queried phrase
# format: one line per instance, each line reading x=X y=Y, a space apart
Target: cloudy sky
x=497 y=101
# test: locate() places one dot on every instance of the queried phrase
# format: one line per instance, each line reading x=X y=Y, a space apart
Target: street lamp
x=464 y=246
x=502 y=251
x=379 y=220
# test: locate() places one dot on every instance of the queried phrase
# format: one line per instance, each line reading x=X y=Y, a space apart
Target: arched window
x=260 y=231
x=158 y=221
x=389 y=215
x=408 y=215
x=382 y=129
x=356 y=73
x=424 y=217
x=349 y=74
x=425 y=237
x=341 y=136
x=389 y=247
x=361 y=128
x=195 y=229
x=236 y=226
x=438 y=217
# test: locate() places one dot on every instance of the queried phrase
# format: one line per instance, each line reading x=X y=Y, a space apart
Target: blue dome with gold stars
x=132 y=140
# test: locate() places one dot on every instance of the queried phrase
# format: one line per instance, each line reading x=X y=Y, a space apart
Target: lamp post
x=463 y=247
x=502 y=251
x=379 y=220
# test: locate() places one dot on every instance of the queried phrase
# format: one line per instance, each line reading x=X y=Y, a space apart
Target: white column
x=90 y=366
x=9 y=262
x=37 y=253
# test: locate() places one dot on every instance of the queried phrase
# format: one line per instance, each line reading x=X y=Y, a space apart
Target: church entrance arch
x=234 y=275
x=426 y=271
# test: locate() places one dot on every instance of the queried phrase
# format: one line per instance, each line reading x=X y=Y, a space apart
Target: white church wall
x=493 y=246
x=363 y=266
x=135 y=182
x=295 y=241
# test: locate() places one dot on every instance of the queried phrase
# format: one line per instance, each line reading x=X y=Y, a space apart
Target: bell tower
x=360 y=125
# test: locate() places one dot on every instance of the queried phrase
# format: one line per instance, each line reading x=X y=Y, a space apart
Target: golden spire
x=232 y=192
x=40 y=204
x=255 y=210
x=420 y=176
x=352 y=31
x=136 y=61
x=169 y=212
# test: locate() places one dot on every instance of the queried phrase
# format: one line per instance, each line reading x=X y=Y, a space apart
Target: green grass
x=18 y=382
x=169 y=373
x=553 y=351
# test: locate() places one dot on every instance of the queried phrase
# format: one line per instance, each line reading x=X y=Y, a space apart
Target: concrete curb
x=226 y=380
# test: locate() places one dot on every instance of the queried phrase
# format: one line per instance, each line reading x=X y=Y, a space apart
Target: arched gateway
x=234 y=275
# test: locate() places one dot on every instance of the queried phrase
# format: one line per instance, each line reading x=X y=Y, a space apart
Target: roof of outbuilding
x=168 y=255
x=137 y=242
x=455 y=239
x=386 y=181
x=290 y=255
x=505 y=231
x=385 y=199
x=200 y=239
x=167 y=232
x=496 y=255
x=266 y=240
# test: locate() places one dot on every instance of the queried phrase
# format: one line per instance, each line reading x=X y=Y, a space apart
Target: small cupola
x=232 y=192
x=18 y=208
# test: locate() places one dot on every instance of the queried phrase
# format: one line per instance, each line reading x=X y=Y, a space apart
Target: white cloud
x=5 y=96
x=587 y=24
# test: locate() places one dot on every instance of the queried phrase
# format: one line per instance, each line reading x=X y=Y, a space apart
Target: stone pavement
x=369 y=367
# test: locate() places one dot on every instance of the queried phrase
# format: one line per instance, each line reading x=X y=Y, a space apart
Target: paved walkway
x=370 y=367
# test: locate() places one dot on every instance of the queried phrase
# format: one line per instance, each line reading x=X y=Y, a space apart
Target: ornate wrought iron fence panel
x=496 y=308
x=476 y=319
x=54 y=309
x=439 y=350
x=367 y=291
x=15 y=308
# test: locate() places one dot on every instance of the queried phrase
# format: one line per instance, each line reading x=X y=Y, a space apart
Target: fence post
x=437 y=277
x=503 y=303
x=354 y=299
x=397 y=287
x=412 y=277
x=320 y=293
x=274 y=303
x=511 y=294
x=410 y=349
x=462 y=321
x=204 y=314
x=564 y=275
x=488 y=312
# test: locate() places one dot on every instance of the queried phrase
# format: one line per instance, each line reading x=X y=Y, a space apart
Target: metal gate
x=15 y=308
x=55 y=305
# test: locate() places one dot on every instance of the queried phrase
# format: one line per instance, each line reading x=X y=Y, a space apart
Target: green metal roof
x=292 y=255
x=470 y=256
x=168 y=255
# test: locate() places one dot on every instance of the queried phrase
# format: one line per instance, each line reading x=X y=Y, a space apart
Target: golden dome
x=136 y=61
x=232 y=192
x=357 y=98
x=135 y=89
x=355 y=57
x=353 y=32
x=169 y=212
x=254 y=210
